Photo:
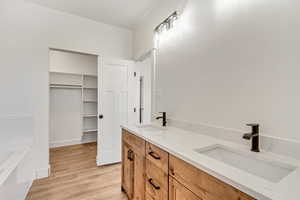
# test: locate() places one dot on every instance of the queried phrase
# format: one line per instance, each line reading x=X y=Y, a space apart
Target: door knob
x=100 y=116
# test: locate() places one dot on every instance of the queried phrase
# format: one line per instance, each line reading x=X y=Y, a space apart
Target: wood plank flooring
x=75 y=176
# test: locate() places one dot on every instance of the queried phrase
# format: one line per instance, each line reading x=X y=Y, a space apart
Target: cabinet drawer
x=158 y=156
x=200 y=183
x=179 y=192
x=137 y=144
x=156 y=182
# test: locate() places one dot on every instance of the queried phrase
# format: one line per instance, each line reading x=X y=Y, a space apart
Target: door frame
x=66 y=49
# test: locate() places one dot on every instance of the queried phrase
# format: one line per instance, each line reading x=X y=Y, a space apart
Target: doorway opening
x=73 y=98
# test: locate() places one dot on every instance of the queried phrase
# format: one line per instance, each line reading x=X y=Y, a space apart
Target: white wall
x=15 y=126
x=65 y=116
x=228 y=63
x=26 y=33
x=70 y=62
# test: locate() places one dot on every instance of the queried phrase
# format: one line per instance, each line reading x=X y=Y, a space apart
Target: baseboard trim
x=70 y=142
x=99 y=163
x=43 y=172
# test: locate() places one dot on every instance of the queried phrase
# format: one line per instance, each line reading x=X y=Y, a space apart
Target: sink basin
x=267 y=169
x=151 y=128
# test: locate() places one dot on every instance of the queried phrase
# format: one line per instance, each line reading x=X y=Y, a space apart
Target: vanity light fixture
x=167 y=24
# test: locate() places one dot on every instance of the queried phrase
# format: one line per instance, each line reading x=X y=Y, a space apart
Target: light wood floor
x=75 y=176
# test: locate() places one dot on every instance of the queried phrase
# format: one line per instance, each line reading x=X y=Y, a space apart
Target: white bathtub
x=3 y=157
x=9 y=161
x=15 y=179
x=17 y=160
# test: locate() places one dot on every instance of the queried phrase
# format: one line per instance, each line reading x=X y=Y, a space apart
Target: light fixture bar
x=167 y=23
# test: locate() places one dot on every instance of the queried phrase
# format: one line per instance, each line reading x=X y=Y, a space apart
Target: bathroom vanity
x=151 y=173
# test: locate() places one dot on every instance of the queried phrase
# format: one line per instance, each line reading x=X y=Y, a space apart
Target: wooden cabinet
x=139 y=177
x=150 y=173
x=178 y=192
x=127 y=170
x=202 y=184
x=157 y=181
x=137 y=144
x=157 y=156
x=244 y=196
x=148 y=197
x=133 y=168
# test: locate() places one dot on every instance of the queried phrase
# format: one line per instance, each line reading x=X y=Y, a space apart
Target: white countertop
x=182 y=144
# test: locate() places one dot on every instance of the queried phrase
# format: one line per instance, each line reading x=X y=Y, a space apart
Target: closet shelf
x=89 y=116
x=90 y=88
x=76 y=74
x=91 y=75
x=90 y=101
x=66 y=86
x=90 y=130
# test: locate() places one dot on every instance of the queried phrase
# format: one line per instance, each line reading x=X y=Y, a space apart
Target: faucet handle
x=255 y=128
x=163 y=113
x=252 y=125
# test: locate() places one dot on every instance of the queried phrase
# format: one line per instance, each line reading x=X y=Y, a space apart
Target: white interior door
x=112 y=109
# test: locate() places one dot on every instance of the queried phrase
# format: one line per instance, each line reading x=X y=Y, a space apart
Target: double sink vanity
x=173 y=164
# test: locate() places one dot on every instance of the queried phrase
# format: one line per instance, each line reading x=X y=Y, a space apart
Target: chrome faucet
x=163 y=117
x=254 y=135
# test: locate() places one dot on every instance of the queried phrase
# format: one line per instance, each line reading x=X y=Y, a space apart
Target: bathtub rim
x=8 y=166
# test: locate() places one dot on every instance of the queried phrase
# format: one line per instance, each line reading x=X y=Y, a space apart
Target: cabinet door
x=139 y=176
x=156 y=181
x=179 y=192
x=201 y=183
x=127 y=170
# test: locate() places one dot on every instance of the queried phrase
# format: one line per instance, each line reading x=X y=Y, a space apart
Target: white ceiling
x=124 y=13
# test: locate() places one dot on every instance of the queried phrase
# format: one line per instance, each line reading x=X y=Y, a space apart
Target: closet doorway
x=90 y=97
x=73 y=82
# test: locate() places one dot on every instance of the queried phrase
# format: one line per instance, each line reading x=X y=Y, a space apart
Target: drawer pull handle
x=130 y=155
x=172 y=172
x=153 y=185
x=154 y=155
